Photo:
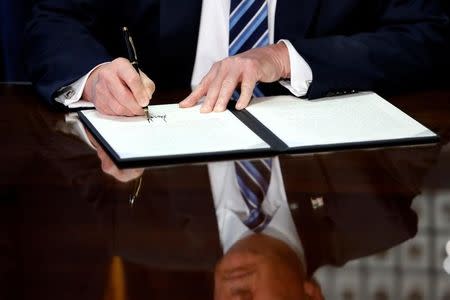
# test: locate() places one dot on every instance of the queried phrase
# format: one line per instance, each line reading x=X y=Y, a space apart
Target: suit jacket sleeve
x=405 y=46
x=62 y=44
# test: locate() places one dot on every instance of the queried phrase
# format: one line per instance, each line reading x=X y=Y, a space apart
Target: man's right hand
x=116 y=88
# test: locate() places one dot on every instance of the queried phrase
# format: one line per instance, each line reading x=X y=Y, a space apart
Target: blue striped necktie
x=249 y=26
x=249 y=29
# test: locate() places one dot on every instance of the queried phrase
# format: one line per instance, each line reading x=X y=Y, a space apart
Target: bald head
x=262 y=267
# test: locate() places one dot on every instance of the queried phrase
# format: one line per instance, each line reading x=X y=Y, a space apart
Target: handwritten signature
x=156 y=117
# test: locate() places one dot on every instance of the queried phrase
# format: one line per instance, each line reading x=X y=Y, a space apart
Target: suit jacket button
x=317 y=202
x=293 y=206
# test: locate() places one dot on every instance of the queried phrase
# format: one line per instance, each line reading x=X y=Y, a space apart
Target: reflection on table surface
x=372 y=224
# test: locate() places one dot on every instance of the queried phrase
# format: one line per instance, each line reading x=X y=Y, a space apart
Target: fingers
x=231 y=73
x=122 y=96
x=116 y=88
x=247 y=87
x=214 y=90
x=221 y=90
x=201 y=90
x=91 y=138
x=228 y=87
x=148 y=84
x=117 y=108
x=221 y=81
x=195 y=96
x=132 y=79
x=106 y=103
x=110 y=168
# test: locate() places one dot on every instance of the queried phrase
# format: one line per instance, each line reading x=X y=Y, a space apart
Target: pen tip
x=147 y=113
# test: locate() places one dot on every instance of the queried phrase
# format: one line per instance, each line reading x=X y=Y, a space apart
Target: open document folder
x=268 y=126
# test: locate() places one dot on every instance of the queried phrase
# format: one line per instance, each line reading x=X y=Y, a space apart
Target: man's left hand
x=265 y=64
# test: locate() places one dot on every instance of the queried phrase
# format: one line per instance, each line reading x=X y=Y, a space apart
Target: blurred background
x=411 y=271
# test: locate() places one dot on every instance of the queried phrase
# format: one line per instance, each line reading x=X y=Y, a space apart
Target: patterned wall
x=411 y=271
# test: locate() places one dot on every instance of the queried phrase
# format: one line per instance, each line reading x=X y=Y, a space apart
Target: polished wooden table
x=69 y=231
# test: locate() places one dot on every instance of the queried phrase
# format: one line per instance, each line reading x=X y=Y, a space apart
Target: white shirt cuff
x=301 y=73
x=70 y=95
x=74 y=126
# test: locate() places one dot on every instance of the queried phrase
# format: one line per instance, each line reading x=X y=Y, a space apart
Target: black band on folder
x=277 y=146
x=258 y=128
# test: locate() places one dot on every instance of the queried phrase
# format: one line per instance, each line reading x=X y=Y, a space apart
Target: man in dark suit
x=348 y=45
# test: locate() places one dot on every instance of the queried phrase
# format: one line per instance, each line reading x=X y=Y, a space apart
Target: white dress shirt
x=212 y=46
x=231 y=209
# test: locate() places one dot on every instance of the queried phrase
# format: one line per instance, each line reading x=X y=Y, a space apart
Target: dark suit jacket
x=349 y=44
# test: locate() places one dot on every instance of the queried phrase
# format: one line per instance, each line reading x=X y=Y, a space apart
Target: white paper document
x=357 y=120
x=174 y=131
x=364 y=117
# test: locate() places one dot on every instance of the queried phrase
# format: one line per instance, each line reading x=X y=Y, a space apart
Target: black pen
x=132 y=57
